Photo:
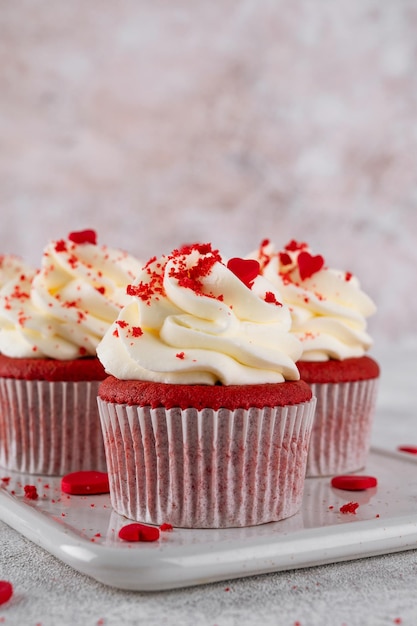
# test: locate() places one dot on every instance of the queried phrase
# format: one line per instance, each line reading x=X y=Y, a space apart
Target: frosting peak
x=328 y=307
x=193 y=320
x=62 y=310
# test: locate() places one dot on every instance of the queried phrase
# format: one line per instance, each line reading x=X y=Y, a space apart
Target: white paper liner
x=341 y=433
x=206 y=469
x=50 y=428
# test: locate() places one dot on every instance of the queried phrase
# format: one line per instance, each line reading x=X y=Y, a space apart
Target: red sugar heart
x=6 y=591
x=309 y=265
x=83 y=236
x=245 y=269
x=408 y=449
x=353 y=483
x=87 y=482
x=139 y=532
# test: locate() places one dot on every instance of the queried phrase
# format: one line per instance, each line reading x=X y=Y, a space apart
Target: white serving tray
x=82 y=531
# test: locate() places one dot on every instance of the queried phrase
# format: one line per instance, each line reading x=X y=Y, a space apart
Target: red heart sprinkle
x=139 y=532
x=83 y=236
x=309 y=265
x=409 y=449
x=6 y=591
x=245 y=269
x=87 y=482
x=353 y=483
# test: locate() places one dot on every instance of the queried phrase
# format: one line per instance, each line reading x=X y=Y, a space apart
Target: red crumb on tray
x=31 y=492
x=350 y=507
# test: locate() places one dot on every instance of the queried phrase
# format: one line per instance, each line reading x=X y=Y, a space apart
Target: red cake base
x=135 y=392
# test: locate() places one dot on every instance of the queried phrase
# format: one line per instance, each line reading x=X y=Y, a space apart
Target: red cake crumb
x=350 y=507
x=6 y=591
x=31 y=492
x=142 y=393
x=139 y=532
x=334 y=371
x=82 y=369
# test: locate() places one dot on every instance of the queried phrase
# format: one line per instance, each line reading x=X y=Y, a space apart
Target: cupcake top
x=328 y=308
x=11 y=266
x=194 y=318
x=62 y=310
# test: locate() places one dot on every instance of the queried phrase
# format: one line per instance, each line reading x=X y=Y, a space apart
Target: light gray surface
x=377 y=590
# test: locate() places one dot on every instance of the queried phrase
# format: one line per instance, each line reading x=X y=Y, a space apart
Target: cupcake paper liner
x=50 y=428
x=341 y=433
x=206 y=469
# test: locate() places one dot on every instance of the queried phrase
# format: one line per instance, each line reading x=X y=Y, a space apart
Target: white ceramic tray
x=82 y=531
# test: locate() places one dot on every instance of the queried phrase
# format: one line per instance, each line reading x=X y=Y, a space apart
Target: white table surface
x=374 y=590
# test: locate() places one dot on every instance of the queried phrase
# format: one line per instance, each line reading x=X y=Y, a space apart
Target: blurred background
x=161 y=123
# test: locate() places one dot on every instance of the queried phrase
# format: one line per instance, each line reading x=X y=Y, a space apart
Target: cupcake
x=205 y=421
x=51 y=321
x=329 y=315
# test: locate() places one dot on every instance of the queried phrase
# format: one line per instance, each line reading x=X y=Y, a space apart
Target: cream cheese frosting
x=329 y=310
x=62 y=310
x=11 y=267
x=194 y=318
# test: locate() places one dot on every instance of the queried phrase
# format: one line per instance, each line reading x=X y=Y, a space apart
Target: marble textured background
x=159 y=123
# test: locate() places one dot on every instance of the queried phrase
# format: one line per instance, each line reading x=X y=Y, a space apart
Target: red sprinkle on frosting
x=245 y=269
x=83 y=236
x=309 y=264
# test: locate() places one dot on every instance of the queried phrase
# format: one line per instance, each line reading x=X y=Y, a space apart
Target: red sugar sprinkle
x=122 y=323
x=180 y=355
x=408 y=449
x=83 y=236
x=245 y=269
x=271 y=299
x=353 y=482
x=166 y=527
x=31 y=492
x=6 y=591
x=285 y=258
x=309 y=264
x=87 y=482
x=136 y=331
x=350 y=507
x=5 y=480
x=139 y=532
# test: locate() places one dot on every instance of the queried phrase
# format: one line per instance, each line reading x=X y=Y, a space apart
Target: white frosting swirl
x=64 y=309
x=328 y=307
x=191 y=320
x=11 y=267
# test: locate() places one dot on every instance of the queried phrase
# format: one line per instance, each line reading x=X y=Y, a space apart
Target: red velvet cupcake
x=50 y=324
x=329 y=312
x=205 y=421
